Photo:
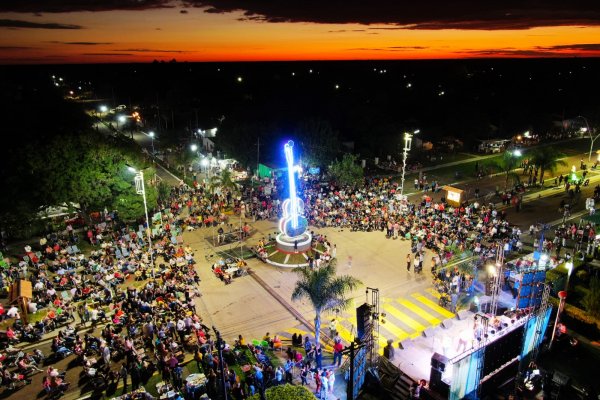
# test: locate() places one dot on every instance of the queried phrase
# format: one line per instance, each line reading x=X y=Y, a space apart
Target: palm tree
x=547 y=158
x=224 y=181
x=324 y=290
x=507 y=165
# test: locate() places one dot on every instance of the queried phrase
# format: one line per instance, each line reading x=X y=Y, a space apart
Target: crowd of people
x=138 y=301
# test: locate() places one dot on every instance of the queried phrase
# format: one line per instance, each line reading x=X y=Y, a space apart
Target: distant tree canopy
x=52 y=157
x=346 y=171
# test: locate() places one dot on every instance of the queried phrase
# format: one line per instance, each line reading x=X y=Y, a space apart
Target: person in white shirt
x=13 y=312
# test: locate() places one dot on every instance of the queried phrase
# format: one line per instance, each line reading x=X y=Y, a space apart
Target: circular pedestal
x=287 y=244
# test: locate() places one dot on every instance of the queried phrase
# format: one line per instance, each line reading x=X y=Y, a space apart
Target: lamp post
x=140 y=188
x=590 y=133
x=151 y=134
x=569 y=266
x=562 y=295
x=407 y=144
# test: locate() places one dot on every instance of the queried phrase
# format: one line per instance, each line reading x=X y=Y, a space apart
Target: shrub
x=591 y=300
x=286 y=392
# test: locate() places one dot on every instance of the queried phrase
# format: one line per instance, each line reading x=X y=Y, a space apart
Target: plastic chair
x=264 y=344
x=255 y=343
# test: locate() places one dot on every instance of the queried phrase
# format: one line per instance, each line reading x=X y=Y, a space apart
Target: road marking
x=419 y=311
x=397 y=333
x=404 y=318
x=440 y=310
x=433 y=292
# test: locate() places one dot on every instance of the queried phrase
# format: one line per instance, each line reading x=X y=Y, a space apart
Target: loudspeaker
x=363 y=320
x=437 y=385
x=439 y=362
x=447 y=323
x=560 y=379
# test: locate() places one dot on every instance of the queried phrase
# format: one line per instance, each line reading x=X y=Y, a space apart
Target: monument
x=293 y=237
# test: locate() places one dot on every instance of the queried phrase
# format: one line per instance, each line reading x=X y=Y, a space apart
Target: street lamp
x=562 y=295
x=121 y=119
x=590 y=133
x=569 y=266
x=204 y=163
x=151 y=134
x=140 y=188
x=407 y=144
x=103 y=109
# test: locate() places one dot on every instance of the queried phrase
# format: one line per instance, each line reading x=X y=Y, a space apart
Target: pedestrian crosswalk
x=401 y=318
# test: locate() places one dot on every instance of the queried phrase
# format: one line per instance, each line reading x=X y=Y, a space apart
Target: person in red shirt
x=337 y=353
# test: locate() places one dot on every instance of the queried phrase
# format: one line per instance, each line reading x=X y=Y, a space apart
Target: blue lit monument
x=293 y=236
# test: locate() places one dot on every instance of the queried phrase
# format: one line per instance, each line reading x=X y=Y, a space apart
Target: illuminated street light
x=569 y=266
x=140 y=188
x=407 y=145
x=103 y=109
x=517 y=153
x=589 y=131
x=151 y=134
x=194 y=147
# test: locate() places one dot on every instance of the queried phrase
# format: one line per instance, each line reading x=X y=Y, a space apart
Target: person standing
x=123 y=375
x=338 y=347
x=319 y=356
x=408 y=260
x=349 y=261
x=389 y=351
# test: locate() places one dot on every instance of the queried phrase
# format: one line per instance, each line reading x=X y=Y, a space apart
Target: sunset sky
x=91 y=31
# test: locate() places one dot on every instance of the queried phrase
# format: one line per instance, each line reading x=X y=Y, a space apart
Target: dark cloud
x=389 y=48
x=577 y=47
x=152 y=51
x=346 y=30
x=60 y=6
x=397 y=14
x=428 y=14
x=107 y=54
x=16 y=48
x=80 y=43
x=14 y=23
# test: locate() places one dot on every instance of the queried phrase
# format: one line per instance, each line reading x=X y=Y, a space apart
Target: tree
x=507 y=165
x=547 y=158
x=318 y=142
x=286 y=392
x=224 y=182
x=324 y=290
x=346 y=171
x=591 y=301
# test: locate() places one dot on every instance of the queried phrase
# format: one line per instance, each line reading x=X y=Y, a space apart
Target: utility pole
x=257 y=157
x=350 y=392
x=220 y=345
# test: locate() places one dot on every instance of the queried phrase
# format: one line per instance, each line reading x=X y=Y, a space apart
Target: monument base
x=298 y=244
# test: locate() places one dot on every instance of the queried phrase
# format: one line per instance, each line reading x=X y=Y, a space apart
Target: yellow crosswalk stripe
x=396 y=332
x=433 y=292
x=345 y=333
x=407 y=320
x=420 y=312
x=431 y=304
